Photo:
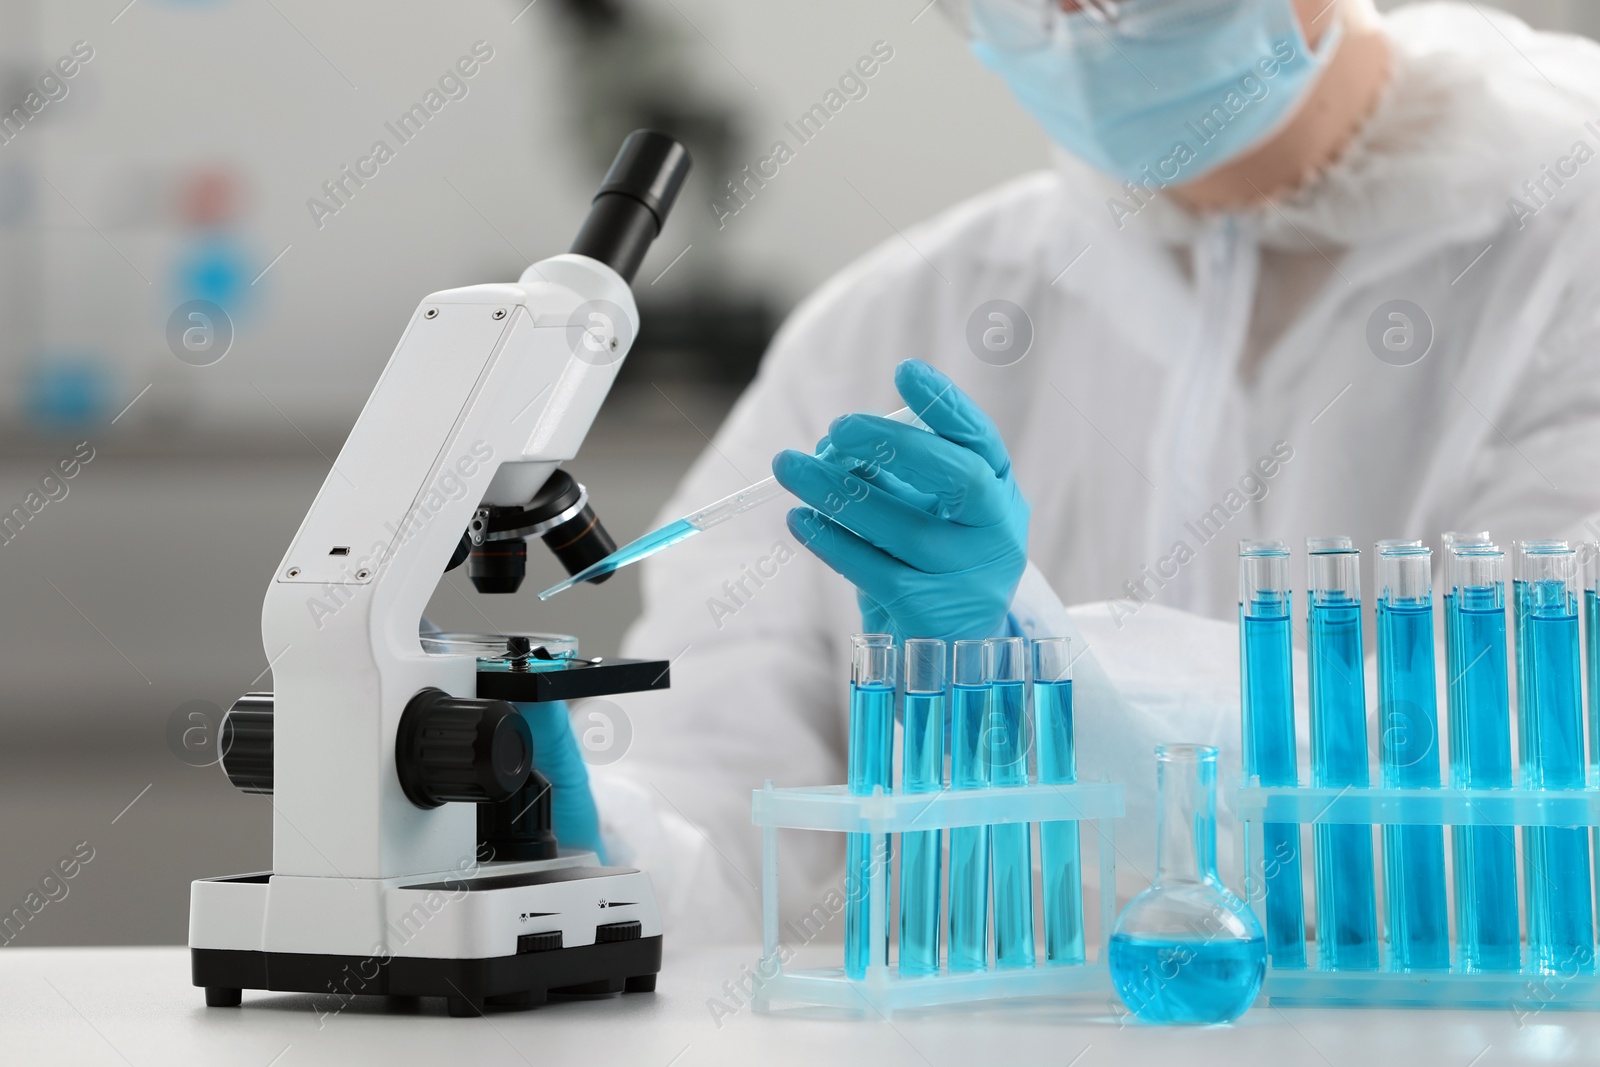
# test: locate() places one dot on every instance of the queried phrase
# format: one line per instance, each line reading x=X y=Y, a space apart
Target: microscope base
x=511 y=935
x=521 y=981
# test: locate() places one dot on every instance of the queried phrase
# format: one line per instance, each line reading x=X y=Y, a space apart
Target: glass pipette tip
x=713 y=514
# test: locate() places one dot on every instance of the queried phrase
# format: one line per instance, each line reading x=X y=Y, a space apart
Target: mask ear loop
x=1015 y=25
x=1331 y=38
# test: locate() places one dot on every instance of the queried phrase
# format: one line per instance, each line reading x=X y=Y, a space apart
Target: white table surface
x=135 y=1006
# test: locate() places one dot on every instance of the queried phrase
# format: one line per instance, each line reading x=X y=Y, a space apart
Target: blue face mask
x=1170 y=91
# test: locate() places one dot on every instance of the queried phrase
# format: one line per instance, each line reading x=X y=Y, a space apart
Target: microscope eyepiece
x=632 y=204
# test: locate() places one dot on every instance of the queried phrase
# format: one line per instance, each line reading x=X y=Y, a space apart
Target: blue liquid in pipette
x=1347 y=919
x=922 y=771
x=1270 y=754
x=1059 y=857
x=1176 y=980
x=1560 y=905
x=969 y=845
x=871 y=760
x=630 y=553
x=1480 y=758
x=1413 y=856
x=1007 y=749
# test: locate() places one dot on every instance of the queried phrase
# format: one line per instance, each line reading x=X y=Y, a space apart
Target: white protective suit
x=1192 y=381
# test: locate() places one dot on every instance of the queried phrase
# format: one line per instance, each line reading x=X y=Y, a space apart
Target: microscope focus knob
x=246 y=743
x=461 y=749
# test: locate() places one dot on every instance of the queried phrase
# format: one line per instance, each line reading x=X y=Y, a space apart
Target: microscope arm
x=490 y=389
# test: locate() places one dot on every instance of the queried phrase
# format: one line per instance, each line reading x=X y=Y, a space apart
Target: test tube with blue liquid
x=1447 y=546
x=1005 y=672
x=1591 y=648
x=1550 y=727
x=1059 y=856
x=1347 y=921
x=1479 y=697
x=969 y=845
x=871 y=767
x=1408 y=714
x=1591 y=661
x=1270 y=753
x=922 y=771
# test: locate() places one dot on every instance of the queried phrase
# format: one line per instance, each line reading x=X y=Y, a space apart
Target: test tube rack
x=1525 y=992
x=832 y=809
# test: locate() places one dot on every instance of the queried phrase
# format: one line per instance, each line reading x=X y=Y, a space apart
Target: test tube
x=1519 y=614
x=1591 y=649
x=1408 y=717
x=1480 y=755
x=1447 y=546
x=969 y=845
x=1267 y=698
x=1451 y=538
x=1550 y=727
x=871 y=763
x=1347 y=921
x=1591 y=659
x=1059 y=855
x=1005 y=670
x=922 y=771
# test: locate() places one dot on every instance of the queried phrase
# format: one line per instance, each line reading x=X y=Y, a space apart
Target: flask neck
x=1186 y=842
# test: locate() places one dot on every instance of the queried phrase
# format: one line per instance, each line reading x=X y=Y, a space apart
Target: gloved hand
x=573 y=815
x=929 y=527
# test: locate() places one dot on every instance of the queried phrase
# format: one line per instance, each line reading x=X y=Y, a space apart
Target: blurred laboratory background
x=154 y=153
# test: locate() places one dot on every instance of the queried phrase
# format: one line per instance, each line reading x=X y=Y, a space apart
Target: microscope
x=412 y=852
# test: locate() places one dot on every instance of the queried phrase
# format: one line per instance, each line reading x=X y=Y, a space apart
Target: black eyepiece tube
x=632 y=204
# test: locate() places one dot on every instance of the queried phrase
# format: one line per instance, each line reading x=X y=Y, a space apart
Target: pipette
x=663 y=537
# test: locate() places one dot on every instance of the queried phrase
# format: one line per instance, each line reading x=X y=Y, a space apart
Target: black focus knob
x=461 y=749
x=246 y=743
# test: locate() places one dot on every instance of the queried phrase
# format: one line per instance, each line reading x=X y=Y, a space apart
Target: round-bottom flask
x=1187 y=950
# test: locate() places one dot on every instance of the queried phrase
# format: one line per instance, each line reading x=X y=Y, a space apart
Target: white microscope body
x=491 y=387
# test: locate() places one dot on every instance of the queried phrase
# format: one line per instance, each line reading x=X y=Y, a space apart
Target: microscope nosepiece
x=498 y=566
x=581 y=541
x=559 y=514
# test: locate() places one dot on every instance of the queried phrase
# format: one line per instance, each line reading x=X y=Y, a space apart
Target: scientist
x=1299 y=269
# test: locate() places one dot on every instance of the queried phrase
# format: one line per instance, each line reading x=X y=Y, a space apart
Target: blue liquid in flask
x=1187 y=980
x=1187 y=950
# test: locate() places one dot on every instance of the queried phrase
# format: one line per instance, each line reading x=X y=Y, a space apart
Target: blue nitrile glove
x=573 y=815
x=929 y=527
